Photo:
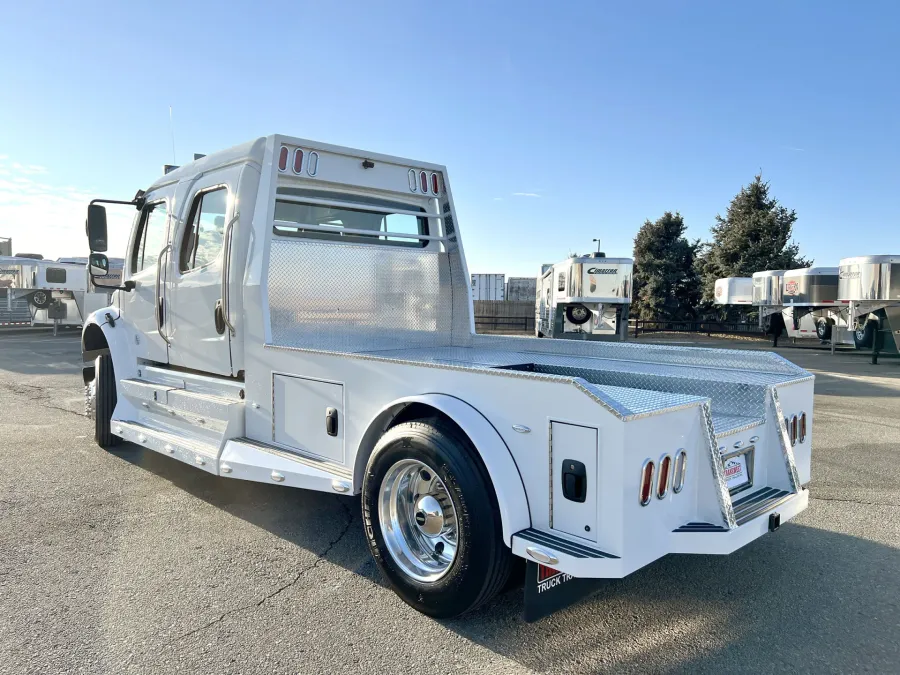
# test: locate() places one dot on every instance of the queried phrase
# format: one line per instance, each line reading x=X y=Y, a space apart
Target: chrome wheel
x=579 y=313
x=418 y=520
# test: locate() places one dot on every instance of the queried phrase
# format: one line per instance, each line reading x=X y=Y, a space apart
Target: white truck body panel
x=489 y=287
x=337 y=304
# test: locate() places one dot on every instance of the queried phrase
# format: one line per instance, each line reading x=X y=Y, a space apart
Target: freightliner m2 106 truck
x=300 y=313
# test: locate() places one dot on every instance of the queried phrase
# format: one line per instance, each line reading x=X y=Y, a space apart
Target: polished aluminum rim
x=418 y=520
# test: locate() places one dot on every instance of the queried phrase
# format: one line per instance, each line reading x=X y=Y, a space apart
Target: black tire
x=864 y=336
x=104 y=401
x=41 y=299
x=823 y=330
x=483 y=562
x=578 y=314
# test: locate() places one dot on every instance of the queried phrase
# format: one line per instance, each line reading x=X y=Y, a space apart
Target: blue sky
x=558 y=122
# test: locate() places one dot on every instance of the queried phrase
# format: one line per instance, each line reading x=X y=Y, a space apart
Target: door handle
x=219 y=317
x=331 y=421
x=226 y=273
x=158 y=301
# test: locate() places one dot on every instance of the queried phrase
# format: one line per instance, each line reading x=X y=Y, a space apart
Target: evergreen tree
x=666 y=284
x=754 y=235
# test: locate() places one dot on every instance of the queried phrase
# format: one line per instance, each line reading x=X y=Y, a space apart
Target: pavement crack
x=300 y=574
x=40 y=396
x=852 y=501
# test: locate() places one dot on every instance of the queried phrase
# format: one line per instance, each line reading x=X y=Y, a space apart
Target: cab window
x=204 y=234
x=150 y=238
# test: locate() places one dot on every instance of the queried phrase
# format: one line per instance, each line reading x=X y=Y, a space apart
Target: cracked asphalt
x=130 y=562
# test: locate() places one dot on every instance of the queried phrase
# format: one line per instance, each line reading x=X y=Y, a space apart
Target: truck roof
x=254 y=151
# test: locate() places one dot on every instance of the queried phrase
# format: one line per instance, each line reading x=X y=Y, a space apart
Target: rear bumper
x=584 y=562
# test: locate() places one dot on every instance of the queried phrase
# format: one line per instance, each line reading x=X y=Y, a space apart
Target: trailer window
x=150 y=238
x=203 y=236
x=56 y=275
x=291 y=216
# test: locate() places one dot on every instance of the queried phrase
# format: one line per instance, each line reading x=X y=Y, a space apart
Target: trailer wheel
x=863 y=335
x=823 y=330
x=432 y=521
x=41 y=299
x=578 y=314
x=104 y=401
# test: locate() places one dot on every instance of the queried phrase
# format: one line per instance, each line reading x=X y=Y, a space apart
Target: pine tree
x=666 y=284
x=754 y=235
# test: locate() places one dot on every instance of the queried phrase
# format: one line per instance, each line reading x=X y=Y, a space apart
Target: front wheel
x=432 y=521
x=103 y=401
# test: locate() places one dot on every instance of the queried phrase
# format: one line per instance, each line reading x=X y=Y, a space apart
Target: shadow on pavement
x=801 y=599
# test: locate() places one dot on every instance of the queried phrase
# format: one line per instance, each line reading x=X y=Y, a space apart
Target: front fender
x=511 y=499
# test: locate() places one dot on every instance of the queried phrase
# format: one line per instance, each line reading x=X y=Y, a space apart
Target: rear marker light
x=312 y=164
x=423 y=178
x=298 y=161
x=412 y=180
x=665 y=470
x=802 y=434
x=283 y=158
x=795 y=427
x=647 y=473
x=435 y=186
x=678 y=471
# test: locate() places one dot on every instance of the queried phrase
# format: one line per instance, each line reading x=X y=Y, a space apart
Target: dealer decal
x=548 y=578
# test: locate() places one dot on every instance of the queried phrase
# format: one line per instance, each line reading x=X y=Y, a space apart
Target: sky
x=559 y=122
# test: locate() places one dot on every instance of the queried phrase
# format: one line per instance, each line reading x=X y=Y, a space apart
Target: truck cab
x=299 y=313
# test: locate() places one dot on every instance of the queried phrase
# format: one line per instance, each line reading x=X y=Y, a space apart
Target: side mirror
x=98 y=264
x=96 y=230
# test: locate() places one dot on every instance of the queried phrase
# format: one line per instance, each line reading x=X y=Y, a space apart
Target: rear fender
x=504 y=474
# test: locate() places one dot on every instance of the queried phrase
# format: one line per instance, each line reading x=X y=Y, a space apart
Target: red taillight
x=665 y=467
x=283 y=158
x=795 y=429
x=435 y=184
x=802 y=435
x=298 y=161
x=678 y=471
x=647 y=482
x=423 y=179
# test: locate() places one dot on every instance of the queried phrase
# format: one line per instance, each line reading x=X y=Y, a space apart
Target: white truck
x=584 y=298
x=300 y=313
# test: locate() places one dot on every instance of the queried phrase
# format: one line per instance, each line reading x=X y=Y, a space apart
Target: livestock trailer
x=584 y=298
x=870 y=285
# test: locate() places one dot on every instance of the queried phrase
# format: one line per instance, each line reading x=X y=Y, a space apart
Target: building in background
x=521 y=289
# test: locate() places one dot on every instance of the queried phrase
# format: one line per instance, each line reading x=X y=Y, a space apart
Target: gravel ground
x=130 y=562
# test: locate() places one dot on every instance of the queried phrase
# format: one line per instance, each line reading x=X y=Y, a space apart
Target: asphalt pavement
x=130 y=562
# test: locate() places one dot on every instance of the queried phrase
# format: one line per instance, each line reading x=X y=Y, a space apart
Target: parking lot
x=127 y=561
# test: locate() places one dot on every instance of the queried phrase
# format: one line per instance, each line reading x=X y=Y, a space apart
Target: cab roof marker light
x=298 y=161
x=648 y=471
x=283 y=158
x=435 y=184
x=423 y=177
x=413 y=181
x=312 y=163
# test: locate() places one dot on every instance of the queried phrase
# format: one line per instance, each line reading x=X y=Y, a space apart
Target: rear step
x=749 y=507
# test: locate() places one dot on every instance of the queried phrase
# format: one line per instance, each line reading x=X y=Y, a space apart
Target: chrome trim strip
x=357 y=206
x=226 y=273
x=159 y=323
x=718 y=469
x=785 y=441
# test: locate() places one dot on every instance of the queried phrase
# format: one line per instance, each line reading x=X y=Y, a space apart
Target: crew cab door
x=198 y=336
x=144 y=306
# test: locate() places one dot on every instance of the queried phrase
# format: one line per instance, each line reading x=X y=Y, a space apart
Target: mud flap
x=548 y=590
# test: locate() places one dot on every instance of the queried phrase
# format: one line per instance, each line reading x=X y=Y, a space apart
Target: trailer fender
x=504 y=474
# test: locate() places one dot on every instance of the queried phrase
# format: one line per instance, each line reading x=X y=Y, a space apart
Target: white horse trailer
x=870 y=285
x=56 y=290
x=300 y=313
x=733 y=291
x=811 y=305
x=584 y=298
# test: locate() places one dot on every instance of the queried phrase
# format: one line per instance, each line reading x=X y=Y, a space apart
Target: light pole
x=598 y=244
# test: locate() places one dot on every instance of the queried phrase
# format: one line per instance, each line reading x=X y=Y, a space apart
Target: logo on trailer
x=849 y=274
x=718 y=291
x=548 y=578
x=791 y=287
x=601 y=270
